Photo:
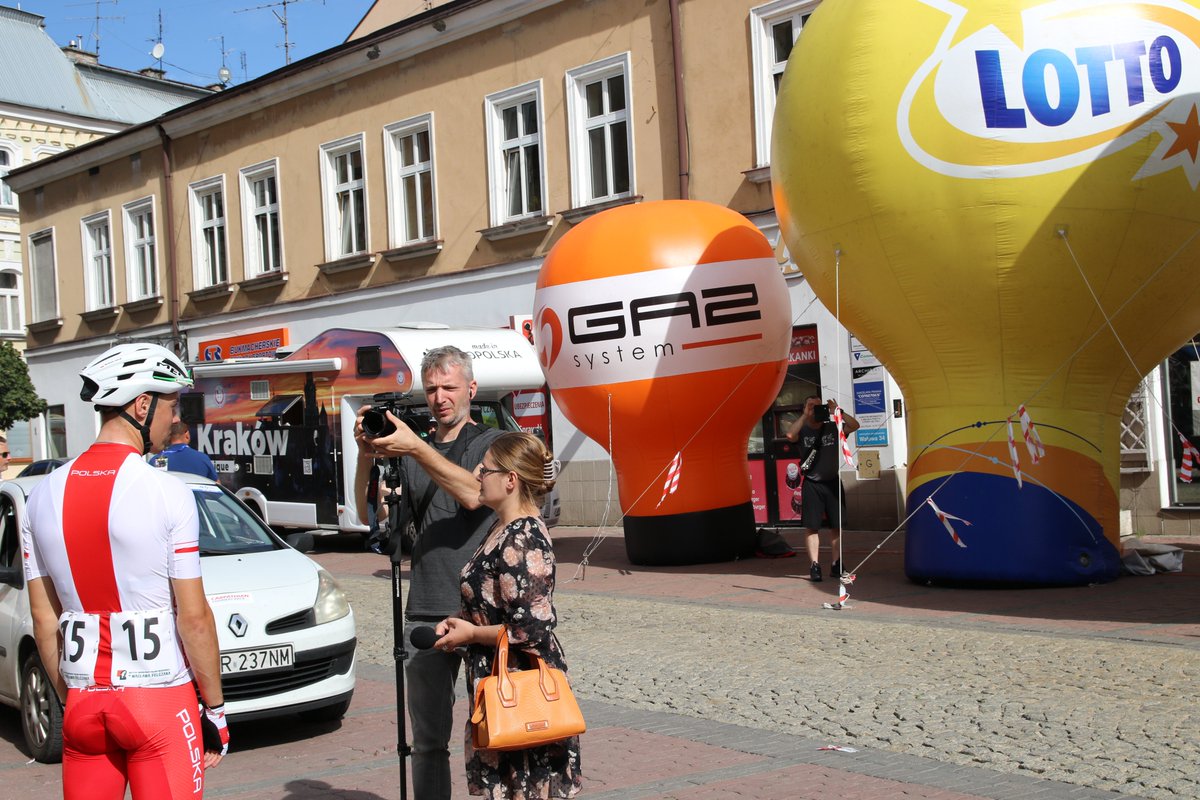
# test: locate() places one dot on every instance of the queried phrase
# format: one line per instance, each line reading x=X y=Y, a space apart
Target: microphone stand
x=399 y=653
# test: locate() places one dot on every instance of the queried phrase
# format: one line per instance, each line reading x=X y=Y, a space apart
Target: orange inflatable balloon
x=663 y=330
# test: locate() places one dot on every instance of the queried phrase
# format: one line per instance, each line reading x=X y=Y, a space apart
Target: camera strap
x=815 y=453
x=457 y=448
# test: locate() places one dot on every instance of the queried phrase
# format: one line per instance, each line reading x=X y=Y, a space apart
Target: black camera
x=820 y=414
x=375 y=422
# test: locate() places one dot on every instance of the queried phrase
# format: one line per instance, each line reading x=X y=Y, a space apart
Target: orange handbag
x=527 y=708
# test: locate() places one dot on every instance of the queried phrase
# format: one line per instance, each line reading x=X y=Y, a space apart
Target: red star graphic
x=1187 y=136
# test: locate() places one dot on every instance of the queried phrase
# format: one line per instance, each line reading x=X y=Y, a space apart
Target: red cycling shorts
x=147 y=737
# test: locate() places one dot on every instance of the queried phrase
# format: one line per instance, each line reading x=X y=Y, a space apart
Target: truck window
x=489 y=417
x=283 y=409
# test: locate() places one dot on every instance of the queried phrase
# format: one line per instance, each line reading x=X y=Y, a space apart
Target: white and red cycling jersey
x=110 y=532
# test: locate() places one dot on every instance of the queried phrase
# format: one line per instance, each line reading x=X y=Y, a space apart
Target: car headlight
x=331 y=601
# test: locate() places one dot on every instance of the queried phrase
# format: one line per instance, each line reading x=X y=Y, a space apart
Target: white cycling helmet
x=128 y=370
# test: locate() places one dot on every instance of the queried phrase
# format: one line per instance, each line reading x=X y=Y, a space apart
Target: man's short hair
x=443 y=358
x=178 y=429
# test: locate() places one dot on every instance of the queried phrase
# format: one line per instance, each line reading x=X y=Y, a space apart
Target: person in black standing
x=438 y=479
x=820 y=486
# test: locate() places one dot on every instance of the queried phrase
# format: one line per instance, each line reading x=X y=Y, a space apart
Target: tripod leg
x=402 y=749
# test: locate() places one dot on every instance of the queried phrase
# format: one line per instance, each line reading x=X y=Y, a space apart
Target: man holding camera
x=820 y=487
x=438 y=488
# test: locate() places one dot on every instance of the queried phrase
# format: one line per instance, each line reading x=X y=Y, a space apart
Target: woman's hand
x=454 y=632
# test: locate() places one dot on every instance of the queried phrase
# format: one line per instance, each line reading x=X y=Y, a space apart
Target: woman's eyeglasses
x=485 y=470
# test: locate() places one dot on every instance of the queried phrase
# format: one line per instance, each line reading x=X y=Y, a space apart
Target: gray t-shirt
x=825 y=466
x=449 y=536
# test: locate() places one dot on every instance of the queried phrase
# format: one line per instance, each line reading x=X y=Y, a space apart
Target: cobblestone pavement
x=1067 y=692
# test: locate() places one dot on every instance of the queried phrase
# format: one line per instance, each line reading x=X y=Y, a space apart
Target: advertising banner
x=262 y=344
x=788 y=487
x=758 y=491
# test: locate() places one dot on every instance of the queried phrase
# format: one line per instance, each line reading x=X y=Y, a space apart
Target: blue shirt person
x=179 y=456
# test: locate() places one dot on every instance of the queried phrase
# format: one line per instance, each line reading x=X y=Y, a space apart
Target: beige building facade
x=53 y=100
x=419 y=172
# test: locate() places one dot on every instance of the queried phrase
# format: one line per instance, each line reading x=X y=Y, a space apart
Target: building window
x=8 y=159
x=210 y=252
x=774 y=28
x=56 y=432
x=263 y=239
x=19 y=440
x=598 y=103
x=1181 y=378
x=98 y=278
x=141 y=257
x=345 y=197
x=412 y=192
x=516 y=157
x=43 y=279
x=10 y=301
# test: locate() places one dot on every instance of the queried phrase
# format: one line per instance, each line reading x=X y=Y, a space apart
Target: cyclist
x=122 y=624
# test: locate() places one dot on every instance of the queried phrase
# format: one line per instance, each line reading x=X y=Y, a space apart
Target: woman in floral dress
x=510 y=581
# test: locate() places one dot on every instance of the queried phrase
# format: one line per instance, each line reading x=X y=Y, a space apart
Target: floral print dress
x=510 y=581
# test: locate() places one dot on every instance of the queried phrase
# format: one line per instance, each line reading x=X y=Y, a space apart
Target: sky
x=192 y=30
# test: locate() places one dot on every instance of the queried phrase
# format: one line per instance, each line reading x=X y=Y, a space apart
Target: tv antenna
x=159 y=48
x=97 y=17
x=223 y=74
x=283 y=20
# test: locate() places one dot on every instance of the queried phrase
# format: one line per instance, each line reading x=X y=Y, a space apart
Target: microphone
x=423 y=637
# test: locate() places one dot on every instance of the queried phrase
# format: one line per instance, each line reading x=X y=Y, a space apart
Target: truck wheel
x=41 y=713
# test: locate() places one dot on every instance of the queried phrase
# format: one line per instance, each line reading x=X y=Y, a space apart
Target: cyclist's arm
x=198 y=632
x=45 y=608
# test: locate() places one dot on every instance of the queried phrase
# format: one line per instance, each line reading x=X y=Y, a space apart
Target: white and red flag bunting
x=1190 y=456
x=837 y=417
x=672 y=482
x=1033 y=442
x=1012 y=454
x=945 y=518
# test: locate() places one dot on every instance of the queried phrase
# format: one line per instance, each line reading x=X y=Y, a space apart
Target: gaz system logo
x=670 y=321
x=1061 y=85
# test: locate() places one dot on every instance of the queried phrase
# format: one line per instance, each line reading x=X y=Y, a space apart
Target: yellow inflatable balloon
x=1002 y=196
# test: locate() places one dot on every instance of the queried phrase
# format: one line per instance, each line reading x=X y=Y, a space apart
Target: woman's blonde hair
x=528 y=457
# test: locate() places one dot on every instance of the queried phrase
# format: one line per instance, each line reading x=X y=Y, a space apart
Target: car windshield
x=226 y=526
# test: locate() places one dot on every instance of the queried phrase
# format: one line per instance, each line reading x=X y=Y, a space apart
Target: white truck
x=280 y=430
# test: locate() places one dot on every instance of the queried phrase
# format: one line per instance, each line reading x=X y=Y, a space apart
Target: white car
x=285 y=629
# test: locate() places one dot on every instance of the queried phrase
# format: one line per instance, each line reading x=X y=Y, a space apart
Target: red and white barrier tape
x=1033 y=442
x=945 y=518
x=1190 y=456
x=837 y=417
x=1012 y=453
x=672 y=482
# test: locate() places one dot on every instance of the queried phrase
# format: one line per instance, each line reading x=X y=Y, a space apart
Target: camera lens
x=375 y=424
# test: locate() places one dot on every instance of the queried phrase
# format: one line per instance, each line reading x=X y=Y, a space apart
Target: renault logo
x=238 y=624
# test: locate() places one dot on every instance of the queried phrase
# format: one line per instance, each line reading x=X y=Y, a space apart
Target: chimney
x=153 y=72
x=77 y=54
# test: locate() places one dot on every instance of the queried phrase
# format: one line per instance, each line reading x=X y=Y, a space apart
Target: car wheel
x=326 y=713
x=41 y=713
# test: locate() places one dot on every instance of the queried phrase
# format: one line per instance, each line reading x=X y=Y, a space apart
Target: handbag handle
x=504 y=685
